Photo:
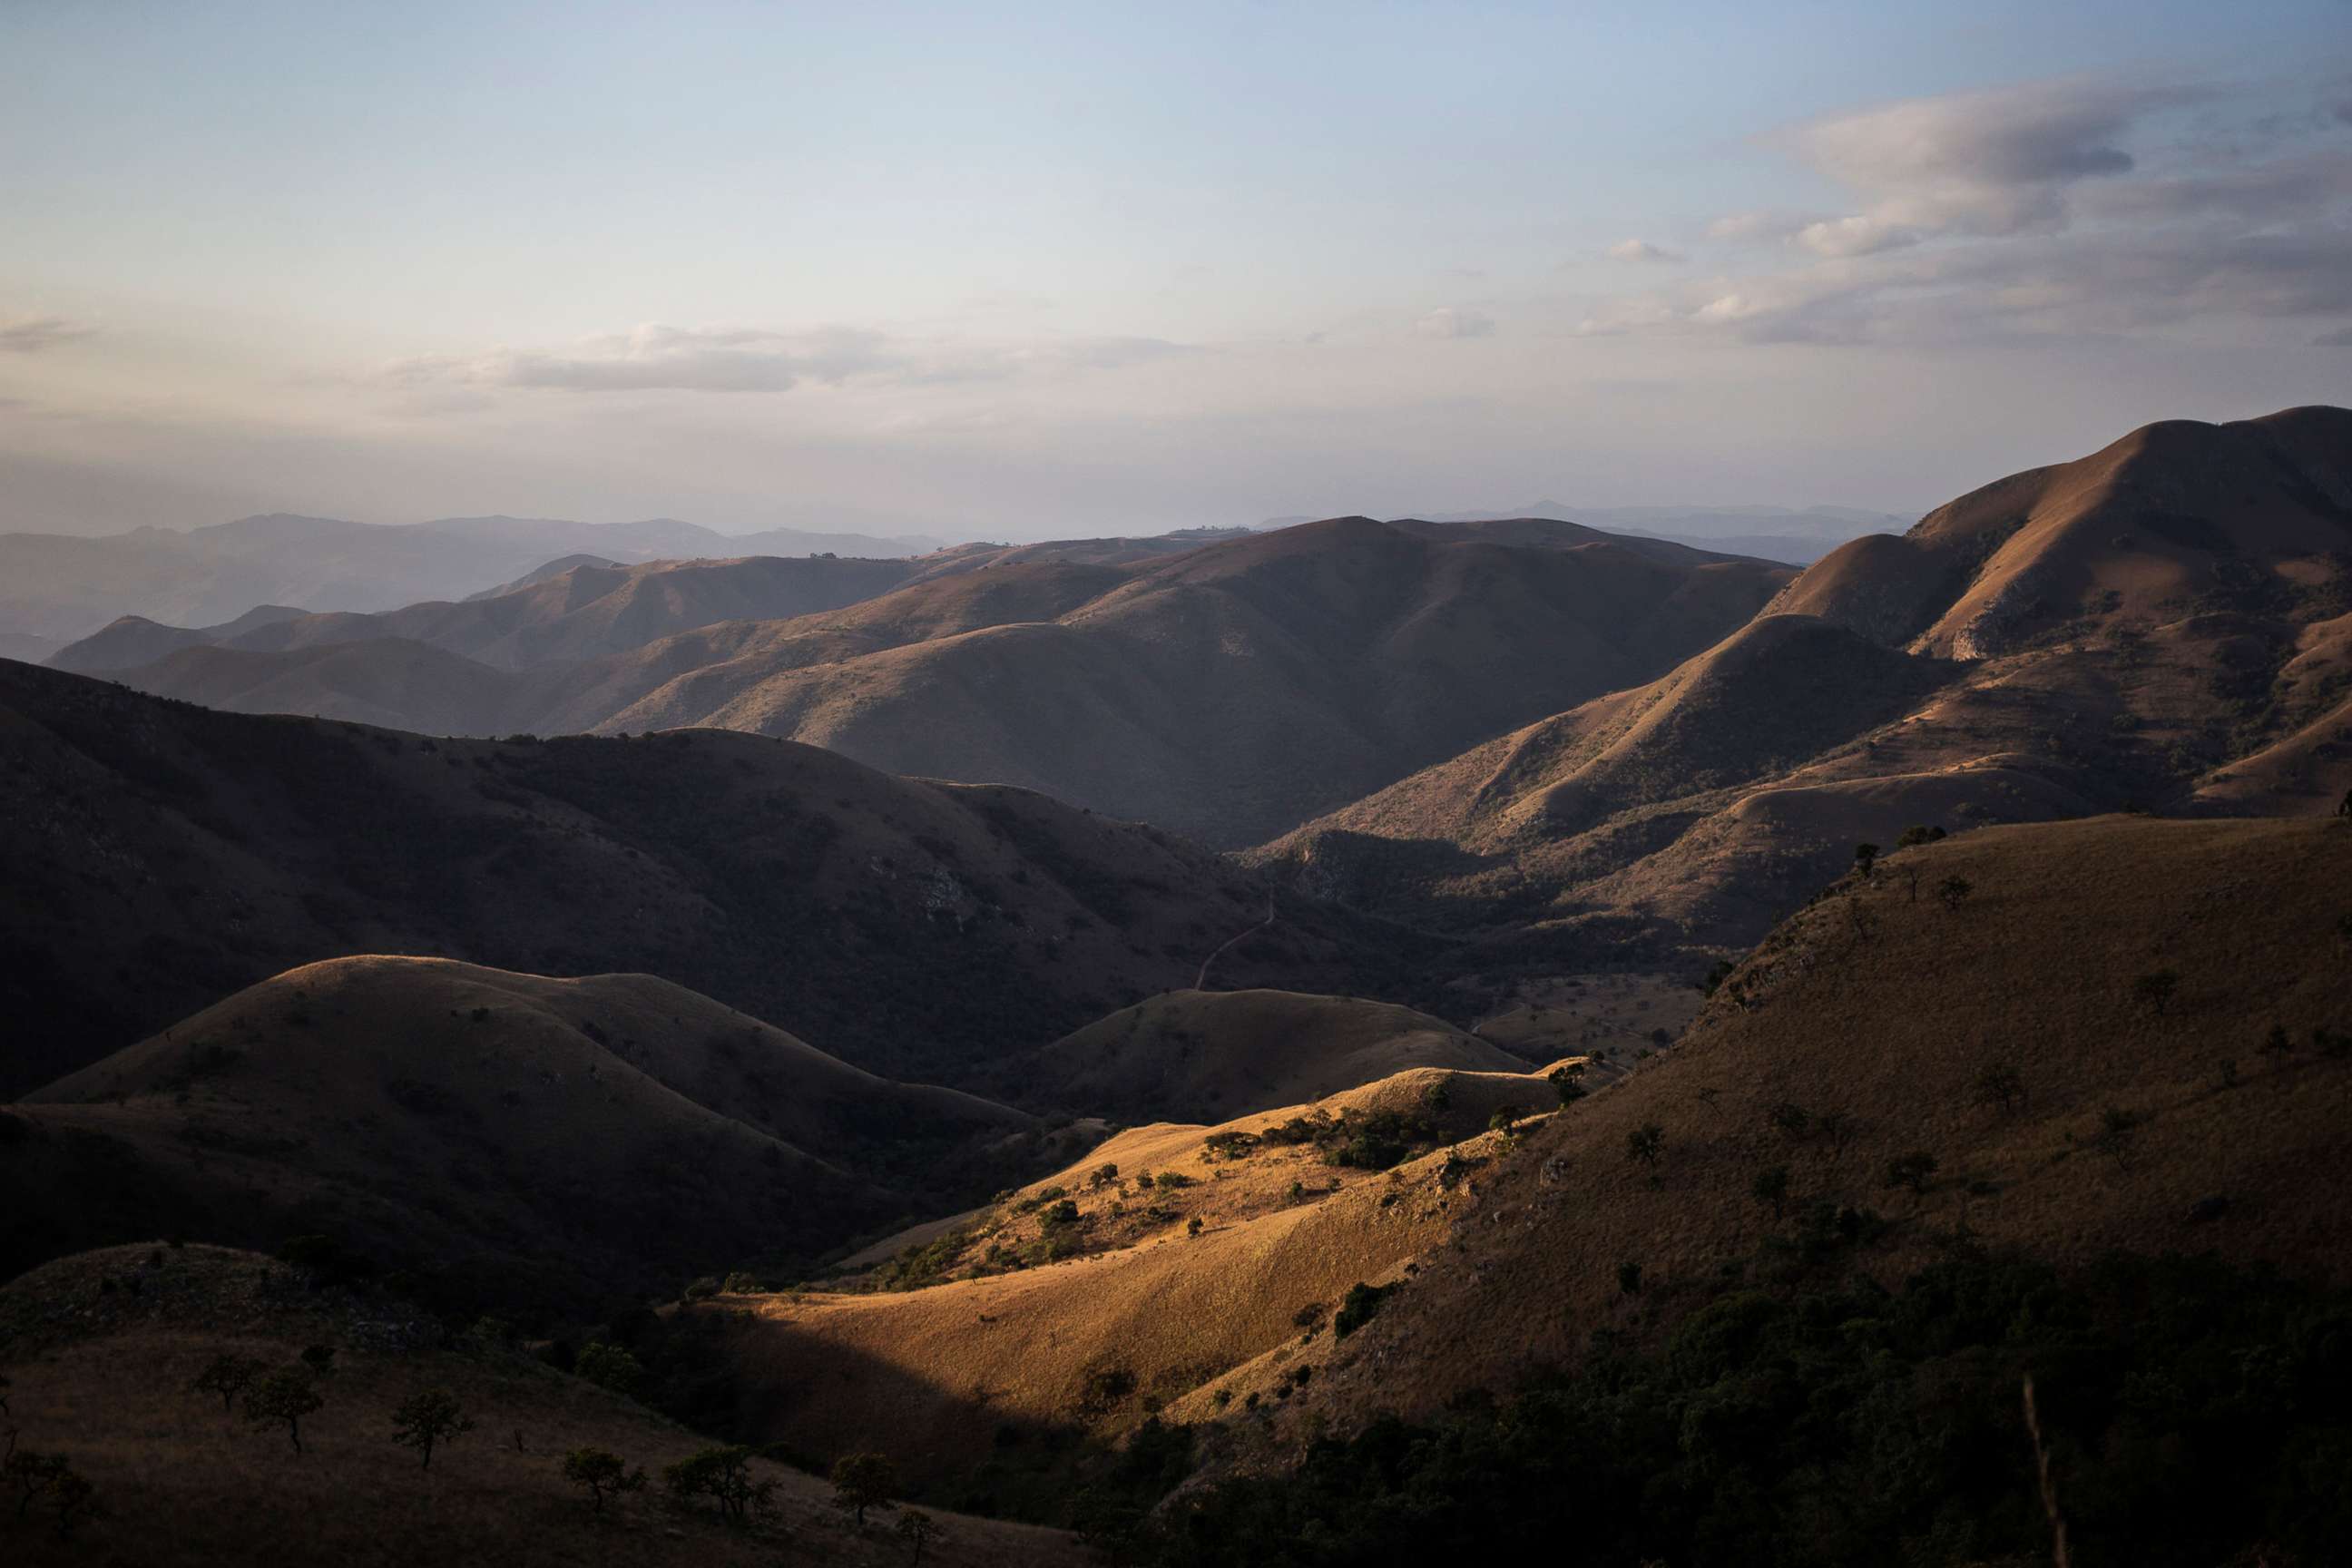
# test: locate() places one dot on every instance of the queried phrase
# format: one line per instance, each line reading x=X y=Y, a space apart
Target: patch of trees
x=1373 y=1140
x=2192 y=1413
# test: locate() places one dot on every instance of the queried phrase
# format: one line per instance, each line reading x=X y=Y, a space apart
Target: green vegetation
x=609 y=1366
x=724 y=1475
x=286 y=1396
x=427 y=1419
x=602 y=1472
x=2195 y=1414
x=861 y=1481
x=1357 y=1307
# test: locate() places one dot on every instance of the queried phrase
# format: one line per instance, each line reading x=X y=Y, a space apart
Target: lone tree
x=917 y=1530
x=74 y=1499
x=2000 y=1086
x=1954 y=891
x=602 y=1472
x=1837 y=1129
x=425 y=1419
x=229 y=1376
x=1913 y=1170
x=609 y=1366
x=1628 y=1278
x=724 y=1475
x=5 y=1384
x=287 y=1396
x=1771 y=1186
x=2118 y=1129
x=1790 y=1119
x=32 y=1472
x=320 y=1360
x=1646 y=1143
x=1865 y=859
x=861 y=1481
x=1505 y=1117
x=2157 y=988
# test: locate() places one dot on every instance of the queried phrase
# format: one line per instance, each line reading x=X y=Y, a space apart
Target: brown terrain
x=161 y=856
x=1227 y=690
x=103 y=1376
x=2165 y=623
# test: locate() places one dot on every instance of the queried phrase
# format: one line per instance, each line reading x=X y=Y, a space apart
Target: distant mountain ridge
x=60 y=585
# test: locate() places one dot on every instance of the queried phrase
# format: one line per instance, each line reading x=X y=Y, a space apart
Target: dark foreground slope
x=161 y=856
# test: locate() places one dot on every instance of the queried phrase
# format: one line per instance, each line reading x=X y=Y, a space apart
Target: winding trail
x=1202 y=983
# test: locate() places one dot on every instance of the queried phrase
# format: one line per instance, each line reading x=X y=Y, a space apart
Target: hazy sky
x=1027 y=270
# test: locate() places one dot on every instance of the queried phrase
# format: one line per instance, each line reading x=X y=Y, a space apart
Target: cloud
x=1452 y=321
x=31 y=334
x=1641 y=250
x=2050 y=208
x=658 y=358
x=1989 y=163
x=1856 y=236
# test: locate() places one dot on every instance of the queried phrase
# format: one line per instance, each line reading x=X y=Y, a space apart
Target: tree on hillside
x=30 y=1471
x=427 y=1419
x=1102 y=1175
x=1646 y=1143
x=1954 y=891
x=5 y=1384
x=73 y=1499
x=1865 y=859
x=229 y=1376
x=1918 y=835
x=1771 y=1186
x=287 y=1396
x=724 y=1475
x=1790 y=1119
x=2000 y=1086
x=318 y=1360
x=1505 y=1117
x=602 y=1472
x=917 y=1529
x=1837 y=1129
x=861 y=1481
x=2157 y=989
x=1628 y=1278
x=609 y=1366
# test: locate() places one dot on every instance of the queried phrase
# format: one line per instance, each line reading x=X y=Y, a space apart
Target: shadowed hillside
x=161 y=855
x=502 y=1141
x=2162 y=625
x=1196 y=1055
x=104 y=1348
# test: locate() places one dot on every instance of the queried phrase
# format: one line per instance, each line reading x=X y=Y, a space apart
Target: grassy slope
x=2035 y=968
x=104 y=1378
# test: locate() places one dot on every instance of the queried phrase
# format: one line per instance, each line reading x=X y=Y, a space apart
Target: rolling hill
x=506 y=1141
x=2161 y=625
x=1205 y=1056
x=161 y=855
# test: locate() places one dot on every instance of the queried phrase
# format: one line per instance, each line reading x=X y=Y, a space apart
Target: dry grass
x=185 y=1484
x=1889 y=1019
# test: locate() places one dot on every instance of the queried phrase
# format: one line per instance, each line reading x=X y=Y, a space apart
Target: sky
x=1024 y=272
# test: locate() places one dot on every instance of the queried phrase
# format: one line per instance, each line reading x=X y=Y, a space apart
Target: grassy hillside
x=504 y=1141
x=2161 y=625
x=161 y=855
x=103 y=1376
x=2013 y=1032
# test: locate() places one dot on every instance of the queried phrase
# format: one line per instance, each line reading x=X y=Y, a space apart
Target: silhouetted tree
x=917 y=1530
x=1193 y=1225
x=427 y=1419
x=1505 y=1117
x=1865 y=859
x=1790 y=1119
x=73 y=1499
x=1646 y=1143
x=1837 y=1130
x=1954 y=891
x=2000 y=1086
x=229 y=1376
x=2157 y=988
x=724 y=1475
x=602 y=1472
x=2119 y=1131
x=1771 y=1186
x=318 y=1360
x=286 y=1396
x=861 y=1481
x=1914 y=836
x=5 y=1385
x=1628 y=1278
x=2278 y=1042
